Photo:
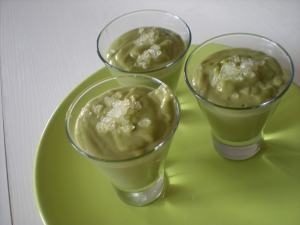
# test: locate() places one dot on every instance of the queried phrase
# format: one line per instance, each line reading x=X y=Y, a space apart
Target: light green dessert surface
x=239 y=78
x=125 y=122
x=145 y=49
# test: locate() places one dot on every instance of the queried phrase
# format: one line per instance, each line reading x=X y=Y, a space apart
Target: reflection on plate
x=203 y=187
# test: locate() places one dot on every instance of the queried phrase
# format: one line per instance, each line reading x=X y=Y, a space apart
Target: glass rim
x=148 y=71
x=198 y=96
x=86 y=90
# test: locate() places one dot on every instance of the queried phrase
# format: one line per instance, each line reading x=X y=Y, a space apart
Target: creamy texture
x=125 y=122
x=239 y=78
x=145 y=49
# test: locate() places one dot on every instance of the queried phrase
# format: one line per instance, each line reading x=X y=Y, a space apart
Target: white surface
x=5 y=217
x=48 y=47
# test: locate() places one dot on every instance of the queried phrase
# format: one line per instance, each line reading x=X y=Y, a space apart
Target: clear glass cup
x=137 y=181
x=170 y=73
x=237 y=133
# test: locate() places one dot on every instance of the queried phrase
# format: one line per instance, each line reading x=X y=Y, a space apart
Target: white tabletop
x=48 y=47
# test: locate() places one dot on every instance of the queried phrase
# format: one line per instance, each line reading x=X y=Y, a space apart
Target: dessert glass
x=237 y=133
x=139 y=180
x=170 y=73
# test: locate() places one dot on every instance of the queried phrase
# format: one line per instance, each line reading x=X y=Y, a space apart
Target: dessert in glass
x=238 y=81
x=126 y=131
x=146 y=42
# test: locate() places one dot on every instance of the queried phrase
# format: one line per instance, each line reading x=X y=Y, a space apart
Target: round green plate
x=203 y=187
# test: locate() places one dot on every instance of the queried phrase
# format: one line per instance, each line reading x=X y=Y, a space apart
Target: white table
x=48 y=47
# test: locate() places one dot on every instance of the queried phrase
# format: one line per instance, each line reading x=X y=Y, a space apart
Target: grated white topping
x=239 y=68
x=144 y=122
x=148 y=36
x=235 y=68
x=144 y=59
x=115 y=114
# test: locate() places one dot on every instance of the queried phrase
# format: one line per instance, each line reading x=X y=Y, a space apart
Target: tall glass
x=169 y=73
x=139 y=180
x=237 y=133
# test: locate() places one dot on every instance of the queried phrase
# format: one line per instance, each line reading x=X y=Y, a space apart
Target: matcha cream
x=239 y=78
x=145 y=49
x=125 y=122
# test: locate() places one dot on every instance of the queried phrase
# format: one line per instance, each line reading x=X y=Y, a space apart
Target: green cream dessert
x=236 y=80
x=153 y=51
x=239 y=78
x=145 y=49
x=125 y=122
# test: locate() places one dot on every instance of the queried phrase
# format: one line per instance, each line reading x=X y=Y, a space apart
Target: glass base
x=237 y=152
x=142 y=196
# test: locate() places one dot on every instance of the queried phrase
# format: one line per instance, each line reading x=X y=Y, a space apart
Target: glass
x=237 y=133
x=170 y=73
x=137 y=181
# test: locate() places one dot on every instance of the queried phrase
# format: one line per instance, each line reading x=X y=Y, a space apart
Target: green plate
x=203 y=187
